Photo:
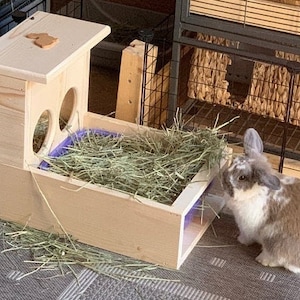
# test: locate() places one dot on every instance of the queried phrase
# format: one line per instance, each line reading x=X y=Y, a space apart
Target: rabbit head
x=250 y=169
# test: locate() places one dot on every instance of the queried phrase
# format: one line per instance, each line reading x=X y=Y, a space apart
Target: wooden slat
x=131 y=80
x=277 y=16
x=156 y=86
x=133 y=76
x=12 y=135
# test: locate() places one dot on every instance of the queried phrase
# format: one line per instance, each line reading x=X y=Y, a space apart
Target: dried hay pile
x=156 y=165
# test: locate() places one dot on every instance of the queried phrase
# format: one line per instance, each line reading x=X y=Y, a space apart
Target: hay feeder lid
x=21 y=58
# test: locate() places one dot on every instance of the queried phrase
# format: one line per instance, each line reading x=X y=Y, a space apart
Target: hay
x=156 y=165
x=41 y=129
x=40 y=133
x=49 y=251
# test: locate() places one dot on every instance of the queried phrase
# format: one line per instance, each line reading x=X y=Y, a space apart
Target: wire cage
x=13 y=12
x=214 y=84
x=156 y=73
x=265 y=95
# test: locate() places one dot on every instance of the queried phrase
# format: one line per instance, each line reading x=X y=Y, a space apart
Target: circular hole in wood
x=67 y=108
x=41 y=131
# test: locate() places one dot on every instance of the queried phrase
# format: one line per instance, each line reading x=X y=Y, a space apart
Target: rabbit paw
x=293 y=269
x=266 y=260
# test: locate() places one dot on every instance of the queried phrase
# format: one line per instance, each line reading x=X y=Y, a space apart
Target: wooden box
x=261 y=13
x=35 y=80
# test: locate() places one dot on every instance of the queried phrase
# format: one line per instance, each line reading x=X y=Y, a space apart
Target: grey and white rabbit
x=265 y=204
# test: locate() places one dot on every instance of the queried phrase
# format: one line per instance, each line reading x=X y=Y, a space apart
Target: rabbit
x=265 y=205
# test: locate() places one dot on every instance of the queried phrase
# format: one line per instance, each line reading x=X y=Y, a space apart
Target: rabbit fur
x=265 y=205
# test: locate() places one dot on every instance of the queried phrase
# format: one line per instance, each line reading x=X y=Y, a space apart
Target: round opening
x=67 y=108
x=41 y=131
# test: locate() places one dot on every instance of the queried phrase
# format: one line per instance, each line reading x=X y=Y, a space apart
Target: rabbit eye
x=242 y=177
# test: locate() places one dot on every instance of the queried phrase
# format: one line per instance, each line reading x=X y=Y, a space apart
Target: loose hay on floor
x=51 y=251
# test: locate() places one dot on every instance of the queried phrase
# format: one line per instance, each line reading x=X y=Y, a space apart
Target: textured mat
x=217 y=269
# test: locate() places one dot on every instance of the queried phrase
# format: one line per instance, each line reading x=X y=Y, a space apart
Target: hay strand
x=51 y=210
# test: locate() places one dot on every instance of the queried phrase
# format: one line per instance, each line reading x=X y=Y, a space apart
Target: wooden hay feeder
x=37 y=82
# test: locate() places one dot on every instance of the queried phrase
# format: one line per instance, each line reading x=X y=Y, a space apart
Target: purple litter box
x=62 y=148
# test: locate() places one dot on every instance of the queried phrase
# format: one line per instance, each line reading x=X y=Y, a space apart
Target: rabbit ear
x=252 y=142
x=269 y=180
